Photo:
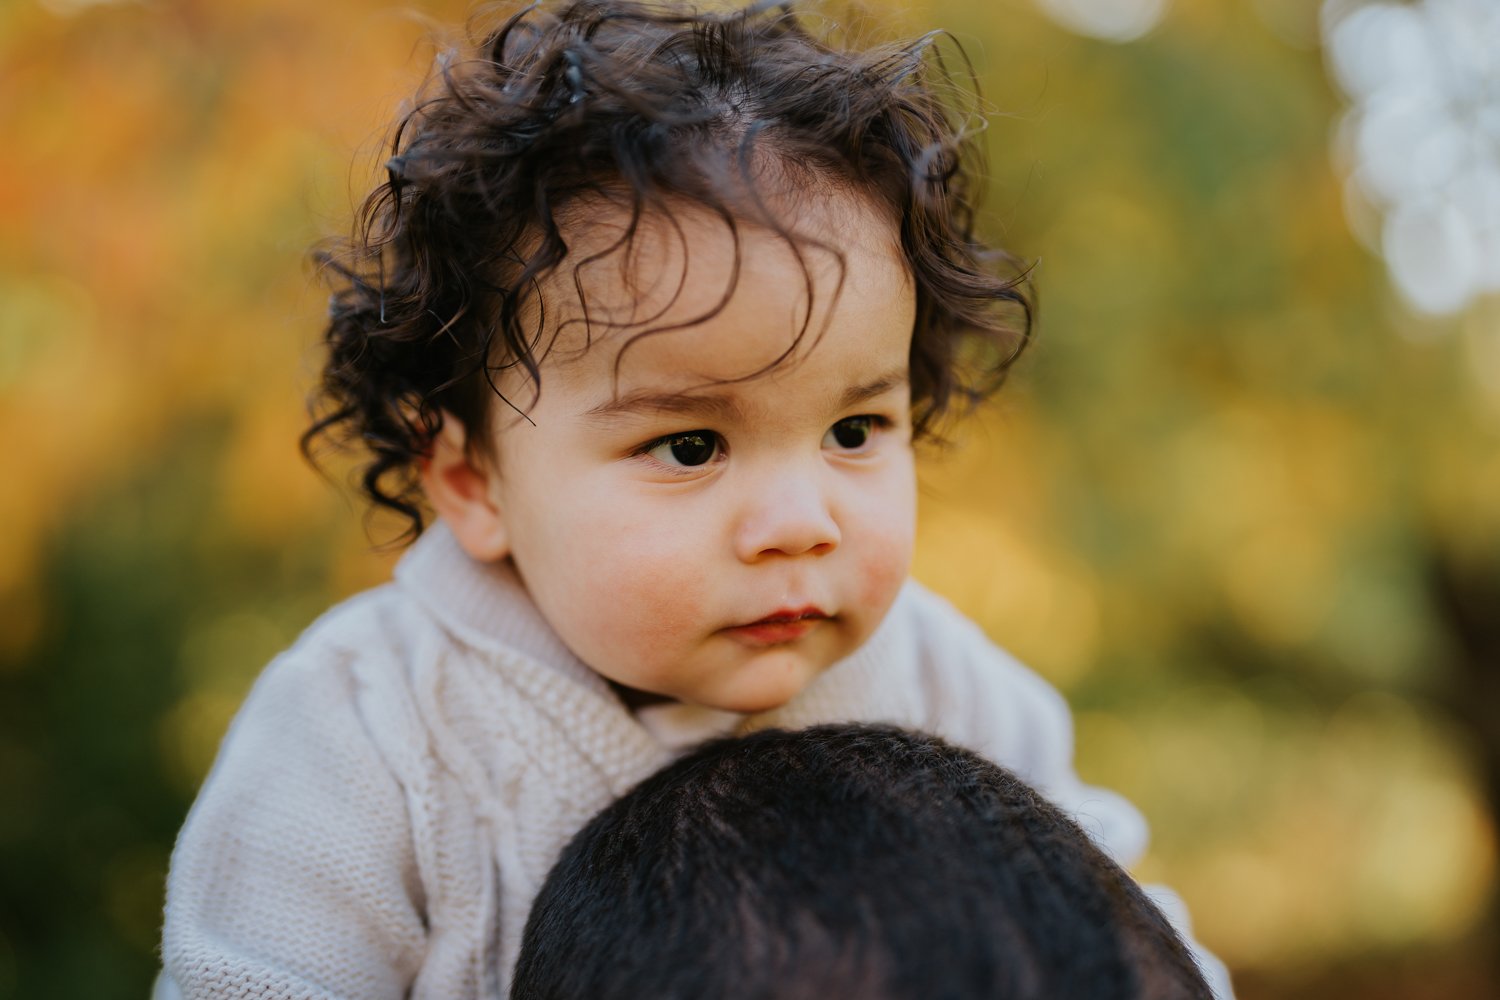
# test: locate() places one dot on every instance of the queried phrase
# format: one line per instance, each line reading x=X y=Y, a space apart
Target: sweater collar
x=486 y=607
x=484 y=604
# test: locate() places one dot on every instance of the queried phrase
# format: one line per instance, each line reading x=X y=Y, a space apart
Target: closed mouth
x=782 y=617
x=780 y=627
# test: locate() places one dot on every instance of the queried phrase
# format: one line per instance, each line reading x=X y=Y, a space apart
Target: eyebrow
x=676 y=403
x=856 y=394
x=714 y=405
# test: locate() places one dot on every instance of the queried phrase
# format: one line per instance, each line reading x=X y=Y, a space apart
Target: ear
x=462 y=491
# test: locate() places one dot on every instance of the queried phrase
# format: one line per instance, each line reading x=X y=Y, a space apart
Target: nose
x=786 y=513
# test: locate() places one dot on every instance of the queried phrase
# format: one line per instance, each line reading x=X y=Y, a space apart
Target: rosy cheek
x=885 y=563
x=648 y=595
x=880 y=579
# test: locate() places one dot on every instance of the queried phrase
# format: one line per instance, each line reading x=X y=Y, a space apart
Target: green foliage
x=90 y=746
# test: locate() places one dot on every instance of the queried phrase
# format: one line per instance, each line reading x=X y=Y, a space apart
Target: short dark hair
x=843 y=863
x=646 y=104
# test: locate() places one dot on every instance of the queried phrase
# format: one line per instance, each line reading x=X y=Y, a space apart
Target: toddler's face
x=717 y=542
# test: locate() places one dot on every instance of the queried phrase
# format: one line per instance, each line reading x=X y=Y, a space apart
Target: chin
x=752 y=706
x=764 y=698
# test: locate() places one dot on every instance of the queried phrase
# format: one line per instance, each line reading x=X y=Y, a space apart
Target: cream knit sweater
x=397 y=785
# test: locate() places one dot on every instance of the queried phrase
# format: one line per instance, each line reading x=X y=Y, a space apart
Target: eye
x=687 y=450
x=851 y=433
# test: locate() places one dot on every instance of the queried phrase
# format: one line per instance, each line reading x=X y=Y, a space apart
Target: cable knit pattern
x=394 y=790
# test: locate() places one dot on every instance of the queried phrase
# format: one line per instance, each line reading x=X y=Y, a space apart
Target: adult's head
x=843 y=863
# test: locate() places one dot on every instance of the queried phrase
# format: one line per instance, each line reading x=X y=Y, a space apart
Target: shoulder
x=307 y=702
x=329 y=727
x=982 y=697
x=378 y=623
x=958 y=657
x=357 y=654
x=976 y=693
x=298 y=845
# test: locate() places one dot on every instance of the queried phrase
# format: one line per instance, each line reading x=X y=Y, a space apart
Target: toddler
x=648 y=313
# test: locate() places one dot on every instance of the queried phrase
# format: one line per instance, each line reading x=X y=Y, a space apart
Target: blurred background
x=1241 y=503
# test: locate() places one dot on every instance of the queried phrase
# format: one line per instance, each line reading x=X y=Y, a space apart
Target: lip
x=779 y=627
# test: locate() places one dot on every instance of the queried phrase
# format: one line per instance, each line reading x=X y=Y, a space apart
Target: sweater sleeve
x=293 y=877
x=981 y=697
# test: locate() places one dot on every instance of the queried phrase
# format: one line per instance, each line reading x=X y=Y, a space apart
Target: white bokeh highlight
x=1421 y=140
x=1109 y=20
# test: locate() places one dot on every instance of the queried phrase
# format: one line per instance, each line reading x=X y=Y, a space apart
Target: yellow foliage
x=1220 y=424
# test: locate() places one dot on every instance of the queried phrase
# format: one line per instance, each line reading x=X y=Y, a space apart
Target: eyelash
x=875 y=423
x=645 y=450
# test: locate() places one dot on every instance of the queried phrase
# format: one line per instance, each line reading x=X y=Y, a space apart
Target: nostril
x=810 y=537
x=785 y=515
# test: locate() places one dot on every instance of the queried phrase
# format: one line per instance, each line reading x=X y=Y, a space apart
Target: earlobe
x=461 y=491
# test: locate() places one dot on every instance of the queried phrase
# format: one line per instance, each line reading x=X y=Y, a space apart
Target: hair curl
x=645 y=104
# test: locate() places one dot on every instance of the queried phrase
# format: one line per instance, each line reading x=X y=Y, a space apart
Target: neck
x=635 y=698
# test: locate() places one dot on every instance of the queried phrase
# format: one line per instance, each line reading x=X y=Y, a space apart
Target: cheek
x=882 y=571
x=888 y=535
x=635 y=579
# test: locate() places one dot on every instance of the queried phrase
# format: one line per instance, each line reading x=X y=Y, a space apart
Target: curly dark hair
x=646 y=105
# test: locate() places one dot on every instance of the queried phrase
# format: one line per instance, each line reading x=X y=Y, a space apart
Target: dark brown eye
x=690 y=449
x=850 y=434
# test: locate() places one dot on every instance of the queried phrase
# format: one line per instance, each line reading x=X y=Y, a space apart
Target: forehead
x=685 y=298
